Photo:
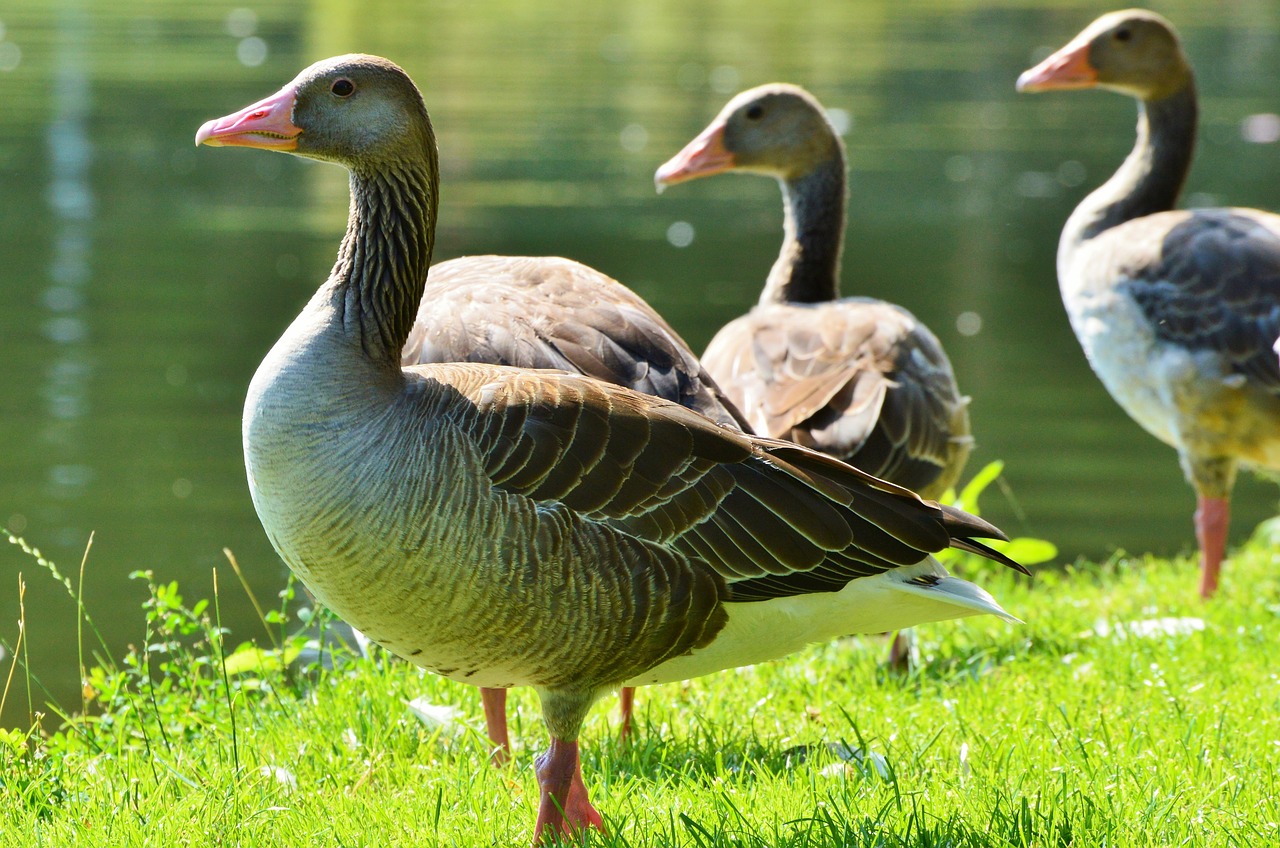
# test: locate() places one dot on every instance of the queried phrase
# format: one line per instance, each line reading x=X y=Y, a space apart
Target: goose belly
x=1188 y=398
x=398 y=536
x=1137 y=369
x=432 y=597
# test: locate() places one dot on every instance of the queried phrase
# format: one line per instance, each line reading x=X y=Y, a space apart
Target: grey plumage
x=1177 y=311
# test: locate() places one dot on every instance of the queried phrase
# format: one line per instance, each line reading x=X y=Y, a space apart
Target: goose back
x=549 y=312
x=856 y=378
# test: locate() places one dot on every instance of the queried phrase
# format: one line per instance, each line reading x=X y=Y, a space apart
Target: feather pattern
x=548 y=312
x=1213 y=285
x=747 y=506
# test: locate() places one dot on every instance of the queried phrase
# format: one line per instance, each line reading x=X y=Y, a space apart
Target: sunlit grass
x=1077 y=728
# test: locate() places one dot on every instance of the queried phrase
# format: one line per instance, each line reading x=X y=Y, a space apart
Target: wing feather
x=1215 y=286
x=768 y=517
x=553 y=313
x=860 y=379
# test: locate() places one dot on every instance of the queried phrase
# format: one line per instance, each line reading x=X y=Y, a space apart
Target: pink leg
x=495 y=722
x=626 y=706
x=564 y=808
x=1212 y=517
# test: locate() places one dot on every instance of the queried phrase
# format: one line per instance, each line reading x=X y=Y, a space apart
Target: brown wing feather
x=548 y=312
x=744 y=506
x=859 y=379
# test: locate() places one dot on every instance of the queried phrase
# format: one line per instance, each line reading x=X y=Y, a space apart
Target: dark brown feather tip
x=990 y=553
x=960 y=523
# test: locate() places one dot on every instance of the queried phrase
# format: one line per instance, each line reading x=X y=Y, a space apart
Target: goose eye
x=755 y=113
x=343 y=87
x=1124 y=34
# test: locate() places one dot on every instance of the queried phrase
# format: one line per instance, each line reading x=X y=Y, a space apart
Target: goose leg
x=563 y=808
x=1212 y=517
x=1212 y=477
x=626 y=706
x=495 y=722
x=900 y=652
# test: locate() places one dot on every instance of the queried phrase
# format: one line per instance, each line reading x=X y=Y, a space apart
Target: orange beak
x=702 y=157
x=1066 y=69
x=267 y=124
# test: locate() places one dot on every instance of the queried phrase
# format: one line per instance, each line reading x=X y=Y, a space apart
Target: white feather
x=765 y=630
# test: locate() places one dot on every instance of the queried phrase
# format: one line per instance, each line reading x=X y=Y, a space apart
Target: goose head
x=1134 y=52
x=777 y=130
x=355 y=110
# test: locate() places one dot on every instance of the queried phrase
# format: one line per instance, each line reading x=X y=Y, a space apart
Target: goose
x=552 y=312
x=1177 y=311
x=855 y=377
x=507 y=527
x=858 y=378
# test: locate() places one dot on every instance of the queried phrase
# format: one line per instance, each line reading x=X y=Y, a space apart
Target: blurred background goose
x=1177 y=311
x=858 y=378
x=855 y=377
x=504 y=526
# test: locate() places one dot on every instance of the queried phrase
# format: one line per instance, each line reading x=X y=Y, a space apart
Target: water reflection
x=143 y=282
x=70 y=197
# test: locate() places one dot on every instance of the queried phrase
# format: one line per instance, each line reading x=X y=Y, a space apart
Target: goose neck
x=1152 y=176
x=807 y=269
x=382 y=264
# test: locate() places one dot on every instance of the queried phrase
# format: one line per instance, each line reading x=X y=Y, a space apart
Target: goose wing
x=769 y=517
x=858 y=379
x=1213 y=285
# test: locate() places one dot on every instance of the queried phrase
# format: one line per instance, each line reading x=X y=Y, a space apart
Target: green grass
x=1063 y=731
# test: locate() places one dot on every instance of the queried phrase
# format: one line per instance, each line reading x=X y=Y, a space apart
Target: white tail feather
x=959 y=592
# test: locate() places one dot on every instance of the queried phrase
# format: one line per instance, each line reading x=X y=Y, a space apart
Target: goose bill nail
x=705 y=155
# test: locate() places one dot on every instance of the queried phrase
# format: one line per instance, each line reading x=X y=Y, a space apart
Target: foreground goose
x=857 y=378
x=508 y=527
x=1176 y=311
x=548 y=312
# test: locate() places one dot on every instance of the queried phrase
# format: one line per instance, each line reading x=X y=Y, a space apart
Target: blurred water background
x=142 y=280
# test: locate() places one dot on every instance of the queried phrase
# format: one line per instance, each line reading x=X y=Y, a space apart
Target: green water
x=141 y=279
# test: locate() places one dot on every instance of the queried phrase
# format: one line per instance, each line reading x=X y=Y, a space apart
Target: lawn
x=1124 y=712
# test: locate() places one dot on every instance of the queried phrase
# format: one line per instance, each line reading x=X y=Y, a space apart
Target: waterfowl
x=1177 y=311
x=505 y=526
x=857 y=378
x=550 y=312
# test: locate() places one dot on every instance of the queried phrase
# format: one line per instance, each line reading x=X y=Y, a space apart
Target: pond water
x=142 y=279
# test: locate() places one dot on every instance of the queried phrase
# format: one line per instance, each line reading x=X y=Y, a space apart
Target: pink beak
x=267 y=124
x=703 y=156
x=1068 y=68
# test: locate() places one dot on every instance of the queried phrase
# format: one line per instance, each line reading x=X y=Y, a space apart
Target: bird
x=502 y=526
x=1177 y=310
x=858 y=378
x=553 y=312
